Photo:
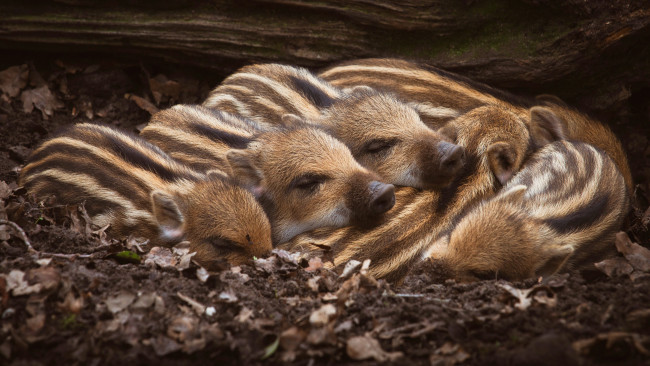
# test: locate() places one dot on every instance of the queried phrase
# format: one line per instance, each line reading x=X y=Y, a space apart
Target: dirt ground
x=81 y=297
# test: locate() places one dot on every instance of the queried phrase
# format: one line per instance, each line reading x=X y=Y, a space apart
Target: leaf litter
x=81 y=305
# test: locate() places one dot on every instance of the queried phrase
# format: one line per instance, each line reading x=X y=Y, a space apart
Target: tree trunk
x=526 y=45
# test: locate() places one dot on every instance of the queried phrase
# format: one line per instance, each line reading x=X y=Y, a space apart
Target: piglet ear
x=169 y=216
x=501 y=159
x=292 y=120
x=545 y=126
x=449 y=130
x=555 y=259
x=245 y=172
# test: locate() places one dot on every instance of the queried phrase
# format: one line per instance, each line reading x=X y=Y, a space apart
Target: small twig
x=21 y=234
x=36 y=253
x=64 y=256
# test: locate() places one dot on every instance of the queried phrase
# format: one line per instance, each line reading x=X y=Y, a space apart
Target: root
x=21 y=234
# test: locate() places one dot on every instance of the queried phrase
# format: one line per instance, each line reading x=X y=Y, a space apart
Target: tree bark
x=515 y=44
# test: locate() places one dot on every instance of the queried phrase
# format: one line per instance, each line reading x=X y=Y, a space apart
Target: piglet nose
x=382 y=197
x=453 y=157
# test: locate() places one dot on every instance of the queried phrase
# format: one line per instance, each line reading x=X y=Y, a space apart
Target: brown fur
x=306 y=179
x=137 y=189
x=440 y=96
x=199 y=137
x=303 y=176
x=561 y=211
x=384 y=134
x=421 y=220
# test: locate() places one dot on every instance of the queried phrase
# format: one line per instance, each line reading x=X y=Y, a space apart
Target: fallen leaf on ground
x=312 y=283
x=142 y=103
x=266 y=264
x=228 y=296
x=5 y=190
x=183 y=328
x=615 y=267
x=366 y=347
x=448 y=354
x=119 y=302
x=144 y=301
x=185 y=260
x=350 y=268
x=322 y=335
x=638 y=319
x=71 y=303
x=41 y=98
x=164 y=345
x=638 y=256
x=161 y=257
x=613 y=345
x=202 y=274
x=14 y=79
x=17 y=284
x=244 y=315
x=322 y=316
x=162 y=87
x=291 y=338
x=314 y=264
x=287 y=257
x=542 y=294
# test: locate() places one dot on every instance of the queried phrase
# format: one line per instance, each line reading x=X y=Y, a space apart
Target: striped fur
x=136 y=188
x=303 y=177
x=439 y=96
x=561 y=211
x=384 y=134
x=421 y=218
x=199 y=137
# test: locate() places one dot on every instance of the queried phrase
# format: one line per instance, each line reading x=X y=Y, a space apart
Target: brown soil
x=91 y=304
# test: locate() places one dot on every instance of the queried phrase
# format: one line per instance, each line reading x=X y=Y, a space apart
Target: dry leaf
x=287 y=257
x=291 y=338
x=164 y=345
x=349 y=268
x=638 y=256
x=448 y=354
x=525 y=297
x=244 y=315
x=312 y=283
x=41 y=98
x=266 y=264
x=202 y=274
x=615 y=267
x=119 y=302
x=162 y=87
x=366 y=347
x=322 y=316
x=5 y=190
x=613 y=345
x=228 y=296
x=48 y=277
x=314 y=264
x=161 y=257
x=71 y=303
x=14 y=79
x=17 y=284
x=183 y=328
x=144 y=301
x=142 y=103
